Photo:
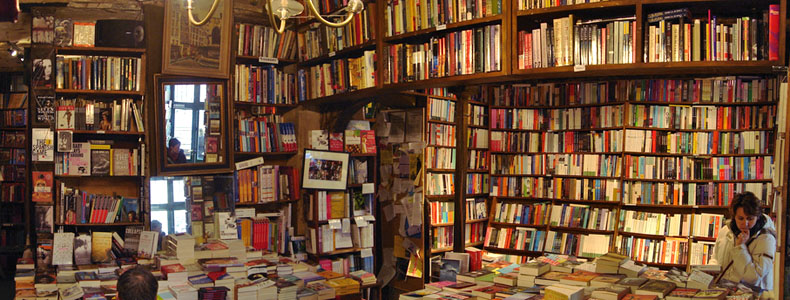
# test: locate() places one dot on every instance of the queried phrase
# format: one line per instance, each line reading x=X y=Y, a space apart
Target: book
x=632 y=283
x=319 y=139
x=552 y=277
x=336 y=141
x=100 y=160
x=450 y=268
x=42 y=186
x=472 y=275
x=44 y=218
x=564 y=292
x=80 y=160
x=681 y=294
x=579 y=278
x=101 y=247
x=605 y=280
x=148 y=244
x=639 y=297
x=534 y=268
x=82 y=249
x=711 y=294
x=62 y=248
x=84 y=33
x=613 y=292
x=659 y=288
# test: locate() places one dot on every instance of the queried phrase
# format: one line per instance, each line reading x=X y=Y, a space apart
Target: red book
x=773 y=32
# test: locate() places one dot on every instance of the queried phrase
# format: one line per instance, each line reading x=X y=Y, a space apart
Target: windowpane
x=178 y=190
x=180 y=220
x=202 y=93
x=185 y=93
x=161 y=216
x=158 y=191
x=183 y=130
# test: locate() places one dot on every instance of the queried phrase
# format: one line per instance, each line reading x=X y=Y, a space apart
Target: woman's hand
x=742 y=238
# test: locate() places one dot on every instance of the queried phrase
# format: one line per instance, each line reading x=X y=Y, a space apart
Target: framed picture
x=325 y=170
x=197 y=50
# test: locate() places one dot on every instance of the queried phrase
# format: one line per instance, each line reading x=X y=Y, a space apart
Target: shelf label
x=360 y=221
x=696 y=206
x=268 y=60
x=366 y=252
x=579 y=68
x=100 y=131
x=441 y=27
x=332 y=54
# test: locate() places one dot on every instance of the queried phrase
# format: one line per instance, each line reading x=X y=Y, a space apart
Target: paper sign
x=366 y=252
x=368 y=188
x=389 y=214
x=245 y=213
x=335 y=224
x=579 y=68
x=441 y=27
x=369 y=218
x=360 y=221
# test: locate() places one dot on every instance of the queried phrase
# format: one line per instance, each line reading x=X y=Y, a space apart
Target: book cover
x=44 y=220
x=639 y=297
x=80 y=160
x=148 y=244
x=656 y=287
x=449 y=269
x=353 y=142
x=42 y=144
x=121 y=162
x=196 y=212
x=681 y=294
x=82 y=249
x=84 y=34
x=579 y=278
x=64 y=32
x=101 y=247
x=100 y=162
x=711 y=294
x=63 y=248
x=43 y=256
x=319 y=139
x=368 y=141
x=336 y=141
x=42 y=73
x=65 y=141
x=65 y=117
x=42 y=186
x=131 y=209
x=212 y=144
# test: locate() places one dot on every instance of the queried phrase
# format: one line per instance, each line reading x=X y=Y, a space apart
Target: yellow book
x=337 y=200
x=101 y=246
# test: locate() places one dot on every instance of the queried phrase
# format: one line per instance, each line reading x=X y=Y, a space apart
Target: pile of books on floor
x=223 y=269
x=610 y=277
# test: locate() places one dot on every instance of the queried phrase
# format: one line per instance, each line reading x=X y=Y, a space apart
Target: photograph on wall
x=325 y=170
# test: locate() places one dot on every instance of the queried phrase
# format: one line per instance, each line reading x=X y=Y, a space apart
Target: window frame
x=171 y=206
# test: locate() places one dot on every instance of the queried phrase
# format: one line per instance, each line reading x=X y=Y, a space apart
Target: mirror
x=192 y=131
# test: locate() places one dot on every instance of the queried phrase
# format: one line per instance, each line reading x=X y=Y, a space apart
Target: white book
x=62 y=248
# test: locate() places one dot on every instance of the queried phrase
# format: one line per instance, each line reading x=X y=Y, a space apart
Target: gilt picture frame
x=197 y=50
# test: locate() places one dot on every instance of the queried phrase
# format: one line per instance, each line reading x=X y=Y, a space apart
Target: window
x=186 y=103
x=168 y=204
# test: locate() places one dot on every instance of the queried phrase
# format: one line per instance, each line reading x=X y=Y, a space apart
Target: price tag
x=268 y=60
x=335 y=224
x=696 y=206
x=332 y=54
x=579 y=68
x=441 y=27
x=100 y=132
x=366 y=252
x=367 y=188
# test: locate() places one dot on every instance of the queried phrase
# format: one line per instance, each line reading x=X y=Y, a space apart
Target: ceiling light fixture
x=285 y=9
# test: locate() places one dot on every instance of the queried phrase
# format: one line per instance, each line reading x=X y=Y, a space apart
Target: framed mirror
x=192 y=132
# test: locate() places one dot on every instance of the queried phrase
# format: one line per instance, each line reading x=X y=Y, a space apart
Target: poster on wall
x=197 y=50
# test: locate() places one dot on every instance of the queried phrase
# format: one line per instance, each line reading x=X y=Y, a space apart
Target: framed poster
x=197 y=50
x=325 y=170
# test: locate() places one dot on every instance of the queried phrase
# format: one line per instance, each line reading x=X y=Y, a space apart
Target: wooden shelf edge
x=368 y=45
x=446 y=28
x=99 y=92
x=574 y=7
x=77 y=49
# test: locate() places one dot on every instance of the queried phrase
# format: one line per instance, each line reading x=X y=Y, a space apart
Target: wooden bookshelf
x=100 y=92
x=446 y=27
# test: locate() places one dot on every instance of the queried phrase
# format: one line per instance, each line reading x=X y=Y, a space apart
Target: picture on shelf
x=325 y=170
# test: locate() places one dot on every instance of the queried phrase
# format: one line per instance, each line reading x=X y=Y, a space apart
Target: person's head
x=174 y=146
x=137 y=284
x=156 y=226
x=746 y=210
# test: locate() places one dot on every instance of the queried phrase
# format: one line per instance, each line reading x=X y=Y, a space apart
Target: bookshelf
x=338 y=61
x=475 y=169
x=442 y=180
x=99 y=111
x=678 y=194
x=15 y=208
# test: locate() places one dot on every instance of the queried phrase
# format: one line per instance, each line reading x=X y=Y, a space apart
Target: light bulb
x=13 y=52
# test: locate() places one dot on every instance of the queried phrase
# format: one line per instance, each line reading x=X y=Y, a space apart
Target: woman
x=746 y=245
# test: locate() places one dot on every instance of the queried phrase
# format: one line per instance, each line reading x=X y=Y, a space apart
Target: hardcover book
x=659 y=288
x=101 y=247
x=42 y=186
x=82 y=249
x=80 y=160
x=681 y=294
x=100 y=162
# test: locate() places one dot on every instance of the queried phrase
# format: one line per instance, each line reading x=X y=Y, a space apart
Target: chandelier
x=285 y=9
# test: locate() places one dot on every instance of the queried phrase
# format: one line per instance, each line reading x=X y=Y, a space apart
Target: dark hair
x=173 y=142
x=137 y=284
x=749 y=202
